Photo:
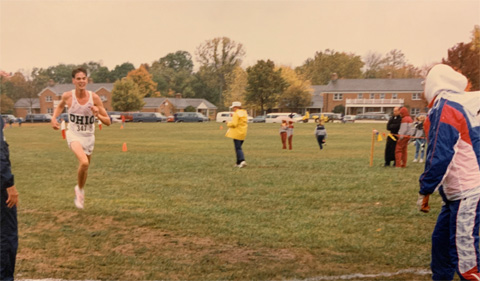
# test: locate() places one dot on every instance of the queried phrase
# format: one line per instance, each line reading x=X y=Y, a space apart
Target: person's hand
x=422 y=203
x=55 y=124
x=12 y=199
x=94 y=110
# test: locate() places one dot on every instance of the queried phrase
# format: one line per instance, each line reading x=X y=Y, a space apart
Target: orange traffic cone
x=221 y=127
x=121 y=127
x=124 y=147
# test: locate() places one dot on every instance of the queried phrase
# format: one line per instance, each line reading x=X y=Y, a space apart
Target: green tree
x=220 y=56
x=298 y=94
x=121 y=71
x=204 y=84
x=319 y=69
x=126 y=96
x=101 y=75
x=190 y=109
x=265 y=85
x=173 y=73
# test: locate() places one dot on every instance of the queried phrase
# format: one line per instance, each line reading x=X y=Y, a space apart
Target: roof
x=374 y=85
x=27 y=103
x=178 y=103
x=317 y=98
x=59 y=89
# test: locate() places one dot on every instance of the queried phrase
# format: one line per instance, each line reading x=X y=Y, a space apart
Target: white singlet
x=81 y=123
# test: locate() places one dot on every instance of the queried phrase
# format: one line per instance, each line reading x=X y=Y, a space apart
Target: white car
x=348 y=118
x=277 y=117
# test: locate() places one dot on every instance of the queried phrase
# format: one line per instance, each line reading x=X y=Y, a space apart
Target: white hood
x=449 y=84
x=443 y=77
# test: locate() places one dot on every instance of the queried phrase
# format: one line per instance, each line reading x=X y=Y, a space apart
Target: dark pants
x=320 y=141
x=390 y=151
x=8 y=238
x=239 y=151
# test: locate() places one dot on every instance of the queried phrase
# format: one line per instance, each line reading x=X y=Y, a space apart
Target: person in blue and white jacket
x=453 y=168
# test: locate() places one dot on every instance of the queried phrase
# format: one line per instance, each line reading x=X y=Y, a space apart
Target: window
x=382 y=96
x=50 y=110
x=372 y=96
x=48 y=98
x=394 y=96
x=103 y=98
x=360 y=96
x=416 y=96
x=414 y=111
x=337 y=96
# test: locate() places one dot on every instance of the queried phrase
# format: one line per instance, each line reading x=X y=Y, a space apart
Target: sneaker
x=242 y=164
x=421 y=160
x=415 y=160
x=79 y=197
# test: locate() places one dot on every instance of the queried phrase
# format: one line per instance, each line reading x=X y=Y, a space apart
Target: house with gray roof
x=170 y=105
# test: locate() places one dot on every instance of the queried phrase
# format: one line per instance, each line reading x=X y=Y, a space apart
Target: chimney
x=178 y=96
x=334 y=77
x=51 y=83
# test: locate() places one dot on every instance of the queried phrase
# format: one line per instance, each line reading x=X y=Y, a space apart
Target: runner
x=83 y=107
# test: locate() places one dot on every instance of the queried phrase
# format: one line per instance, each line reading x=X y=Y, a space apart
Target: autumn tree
x=220 y=56
x=6 y=104
x=466 y=58
x=319 y=69
x=298 y=94
x=237 y=83
x=126 y=95
x=264 y=85
x=146 y=86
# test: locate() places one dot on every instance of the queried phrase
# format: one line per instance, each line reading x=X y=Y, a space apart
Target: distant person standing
x=283 y=133
x=290 y=134
x=403 y=139
x=8 y=213
x=237 y=130
x=393 y=126
x=321 y=134
x=419 y=139
x=83 y=107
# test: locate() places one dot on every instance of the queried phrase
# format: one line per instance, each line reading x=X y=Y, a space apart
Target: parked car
x=259 y=119
x=63 y=116
x=332 y=117
x=8 y=117
x=149 y=117
x=38 y=118
x=348 y=118
x=170 y=118
x=372 y=118
x=224 y=116
x=190 y=117
x=278 y=116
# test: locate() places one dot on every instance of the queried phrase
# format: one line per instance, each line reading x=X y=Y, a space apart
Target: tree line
x=221 y=79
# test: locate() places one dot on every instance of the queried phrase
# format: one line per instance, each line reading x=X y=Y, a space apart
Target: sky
x=43 y=33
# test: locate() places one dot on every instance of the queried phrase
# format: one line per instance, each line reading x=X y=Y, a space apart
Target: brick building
x=374 y=95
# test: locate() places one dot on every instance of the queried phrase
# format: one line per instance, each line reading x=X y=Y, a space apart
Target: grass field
x=174 y=207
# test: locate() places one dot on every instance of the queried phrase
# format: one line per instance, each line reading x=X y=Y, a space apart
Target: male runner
x=83 y=107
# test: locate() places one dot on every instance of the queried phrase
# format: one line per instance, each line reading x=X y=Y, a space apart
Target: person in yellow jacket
x=237 y=130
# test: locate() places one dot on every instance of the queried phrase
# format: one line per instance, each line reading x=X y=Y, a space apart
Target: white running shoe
x=415 y=160
x=421 y=160
x=79 y=197
x=242 y=164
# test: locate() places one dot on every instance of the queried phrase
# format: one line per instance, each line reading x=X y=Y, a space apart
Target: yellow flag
x=379 y=138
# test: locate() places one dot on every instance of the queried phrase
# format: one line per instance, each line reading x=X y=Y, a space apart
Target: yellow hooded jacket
x=238 y=126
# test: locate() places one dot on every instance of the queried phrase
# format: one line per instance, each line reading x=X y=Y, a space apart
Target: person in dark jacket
x=8 y=215
x=393 y=126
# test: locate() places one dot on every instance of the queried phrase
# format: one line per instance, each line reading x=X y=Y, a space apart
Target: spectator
x=403 y=138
